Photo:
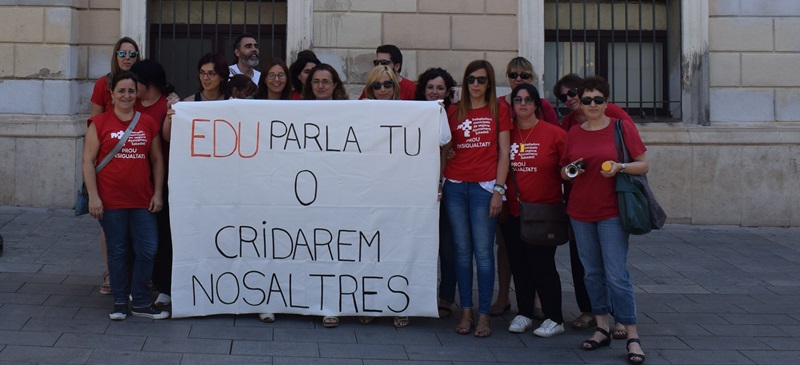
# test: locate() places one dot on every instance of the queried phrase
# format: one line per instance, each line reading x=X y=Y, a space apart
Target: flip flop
x=105 y=288
x=483 y=329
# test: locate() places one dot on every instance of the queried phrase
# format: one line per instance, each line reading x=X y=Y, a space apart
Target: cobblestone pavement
x=705 y=295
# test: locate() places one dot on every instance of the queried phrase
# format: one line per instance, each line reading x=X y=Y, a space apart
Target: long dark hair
x=534 y=93
x=297 y=67
x=151 y=73
x=339 y=93
x=263 y=90
x=220 y=67
x=430 y=74
x=465 y=104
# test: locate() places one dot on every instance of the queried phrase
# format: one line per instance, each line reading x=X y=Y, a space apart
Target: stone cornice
x=42 y=126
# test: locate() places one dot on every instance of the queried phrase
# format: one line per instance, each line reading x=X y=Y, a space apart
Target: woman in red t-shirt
x=594 y=212
x=475 y=185
x=126 y=194
x=536 y=148
x=126 y=53
x=299 y=71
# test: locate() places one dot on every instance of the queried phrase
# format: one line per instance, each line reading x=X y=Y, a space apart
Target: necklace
x=524 y=140
x=203 y=94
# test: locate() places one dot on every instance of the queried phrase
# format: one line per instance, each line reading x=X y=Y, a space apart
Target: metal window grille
x=633 y=44
x=180 y=32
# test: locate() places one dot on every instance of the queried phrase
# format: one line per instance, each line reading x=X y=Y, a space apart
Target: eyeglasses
x=318 y=82
x=209 y=74
x=131 y=54
x=482 y=80
x=388 y=84
x=519 y=99
x=273 y=76
x=599 y=100
x=523 y=75
x=381 y=62
x=570 y=94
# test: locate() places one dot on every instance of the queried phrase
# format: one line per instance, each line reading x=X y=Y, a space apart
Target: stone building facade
x=730 y=158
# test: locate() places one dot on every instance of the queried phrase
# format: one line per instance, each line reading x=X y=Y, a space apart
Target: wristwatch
x=623 y=168
x=500 y=189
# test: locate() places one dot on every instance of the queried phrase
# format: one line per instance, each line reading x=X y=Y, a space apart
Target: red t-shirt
x=125 y=181
x=101 y=94
x=296 y=95
x=548 y=112
x=475 y=143
x=612 y=111
x=157 y=111
x=593 y=197
x=536 y=164
x=407 y=90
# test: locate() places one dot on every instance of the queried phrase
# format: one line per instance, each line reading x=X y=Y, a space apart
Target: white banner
x=307 y=207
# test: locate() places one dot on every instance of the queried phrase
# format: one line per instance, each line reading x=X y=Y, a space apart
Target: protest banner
x=307 y=207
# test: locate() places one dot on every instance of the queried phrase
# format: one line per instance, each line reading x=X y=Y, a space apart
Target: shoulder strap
x=119 y=145
x=622 y=151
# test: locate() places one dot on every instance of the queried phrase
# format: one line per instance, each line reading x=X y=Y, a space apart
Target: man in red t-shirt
x=390 y=55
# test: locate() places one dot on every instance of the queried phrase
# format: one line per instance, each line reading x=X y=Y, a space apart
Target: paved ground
x=706 y=295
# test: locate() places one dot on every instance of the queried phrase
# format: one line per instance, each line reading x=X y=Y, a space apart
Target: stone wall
x=754 y=55
x=447 y=34
x=50 y=53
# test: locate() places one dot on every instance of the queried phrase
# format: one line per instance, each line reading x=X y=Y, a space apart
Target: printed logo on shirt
x=466 y=126
x=514 y=151
x=117 y=135
x=525 y=151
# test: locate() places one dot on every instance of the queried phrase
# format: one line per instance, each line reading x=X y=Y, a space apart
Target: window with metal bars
x=180 y=32
x=633 y=44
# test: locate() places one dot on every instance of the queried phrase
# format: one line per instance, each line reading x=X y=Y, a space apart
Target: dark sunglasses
x=519 y=99
x=599 y=100
x=481 y=80
x=570 y=94
x=381 y=62
x=386 y=84
x=131 y=54
x=523 y=75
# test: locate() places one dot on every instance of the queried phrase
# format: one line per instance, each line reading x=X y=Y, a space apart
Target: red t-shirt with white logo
x=475 y=143
x=593 y=197
x=101 y=95
x=125 y=182
x=536 y=158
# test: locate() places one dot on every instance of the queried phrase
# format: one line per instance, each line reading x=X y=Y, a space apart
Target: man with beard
x=245 y=48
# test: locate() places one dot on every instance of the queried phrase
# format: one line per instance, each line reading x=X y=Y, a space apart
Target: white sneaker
x=549 y=329
x=520 y=324
x=163 y=300
x=266 y=317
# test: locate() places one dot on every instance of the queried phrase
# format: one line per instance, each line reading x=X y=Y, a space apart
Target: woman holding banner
x=475 y=186
x=126 y=194
x=273 y=83
x=323 y=83
x=435 y=84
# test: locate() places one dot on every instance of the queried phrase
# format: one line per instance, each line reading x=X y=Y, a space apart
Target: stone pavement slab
x=705 y=295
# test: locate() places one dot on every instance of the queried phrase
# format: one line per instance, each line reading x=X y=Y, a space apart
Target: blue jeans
x=140 y=226
x=467 y=206
x=447 y=259
x=603 y=249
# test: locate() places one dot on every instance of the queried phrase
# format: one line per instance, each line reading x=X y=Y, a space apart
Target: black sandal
x=591 y=345
x=632 y=357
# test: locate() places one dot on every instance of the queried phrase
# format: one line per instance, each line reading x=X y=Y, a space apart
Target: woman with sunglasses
x=594 y=213
x=536 y=148
x=212 y=73
x=566 y=91
x=126 y=53
x=475 y=186
x=519 y=71
x=435 y=84
x=382 y=84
